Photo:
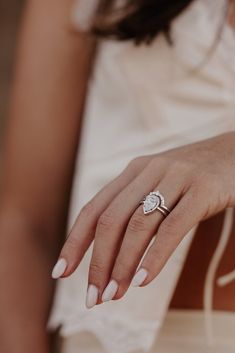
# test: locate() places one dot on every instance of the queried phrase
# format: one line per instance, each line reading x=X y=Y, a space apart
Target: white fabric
x=145 y=100
x=182 y=332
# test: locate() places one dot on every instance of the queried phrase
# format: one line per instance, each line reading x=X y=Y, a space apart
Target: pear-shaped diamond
x=151 y=202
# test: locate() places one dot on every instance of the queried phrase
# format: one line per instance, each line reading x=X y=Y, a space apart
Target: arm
x=48 y=93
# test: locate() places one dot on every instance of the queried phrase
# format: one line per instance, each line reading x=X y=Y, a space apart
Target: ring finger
x=139 y=233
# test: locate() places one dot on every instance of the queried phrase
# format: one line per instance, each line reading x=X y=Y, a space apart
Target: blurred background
x=10 y=11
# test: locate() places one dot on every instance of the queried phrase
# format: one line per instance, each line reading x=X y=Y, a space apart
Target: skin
x=39 y=152
x=196 y=180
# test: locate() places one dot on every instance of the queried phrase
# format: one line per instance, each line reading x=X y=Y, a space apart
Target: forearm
x=48 y=95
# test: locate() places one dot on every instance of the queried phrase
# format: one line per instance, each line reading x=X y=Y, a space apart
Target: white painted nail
x=139 y=277
x=59 y=268
x=110 y=291
x=92 y=296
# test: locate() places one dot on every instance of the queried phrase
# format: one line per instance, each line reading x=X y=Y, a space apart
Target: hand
x=197 y=181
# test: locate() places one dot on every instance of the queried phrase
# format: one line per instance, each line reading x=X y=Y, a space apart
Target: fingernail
x=92 y=296
x=110 y=291
x=139 y=277
x=59 y=268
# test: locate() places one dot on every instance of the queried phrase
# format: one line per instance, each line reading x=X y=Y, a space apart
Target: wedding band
x=154 y=201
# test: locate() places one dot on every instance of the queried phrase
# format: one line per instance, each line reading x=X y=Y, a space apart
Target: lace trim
x=111 y=332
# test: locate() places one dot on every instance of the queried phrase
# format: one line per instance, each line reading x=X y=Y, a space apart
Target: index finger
x=83 y=230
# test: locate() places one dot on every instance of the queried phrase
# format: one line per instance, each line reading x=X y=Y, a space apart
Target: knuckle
x=88 y=209
x=106 y=220
x=180 y=166
x=159 y=162
x=96 y=269
x=206 y=183
x=156 y=161
x=136 y=163
x=137 y=224
x=133 y=164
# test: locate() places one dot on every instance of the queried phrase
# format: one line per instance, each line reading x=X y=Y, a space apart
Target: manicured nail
x=92 y=296
x=110 y=291
x=59 y=268
x=139 y=277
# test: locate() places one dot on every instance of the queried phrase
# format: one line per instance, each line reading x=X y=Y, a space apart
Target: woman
x=158 y=118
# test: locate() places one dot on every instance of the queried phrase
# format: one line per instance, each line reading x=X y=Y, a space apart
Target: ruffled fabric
x=110 y=332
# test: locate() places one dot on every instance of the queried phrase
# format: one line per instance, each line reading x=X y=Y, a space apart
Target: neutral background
x=10 y=15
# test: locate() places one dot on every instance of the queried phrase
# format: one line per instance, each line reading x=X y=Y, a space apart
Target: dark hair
x=139 y=20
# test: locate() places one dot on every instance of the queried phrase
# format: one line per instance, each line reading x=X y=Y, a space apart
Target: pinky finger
x=170 y=233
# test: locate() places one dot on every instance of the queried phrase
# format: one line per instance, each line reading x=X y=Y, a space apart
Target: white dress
x=144 y=100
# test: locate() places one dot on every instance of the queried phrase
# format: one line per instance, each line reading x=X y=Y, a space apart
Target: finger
x=140 y=231
x=111 y=227
x=83 y=230
x=172 y=230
